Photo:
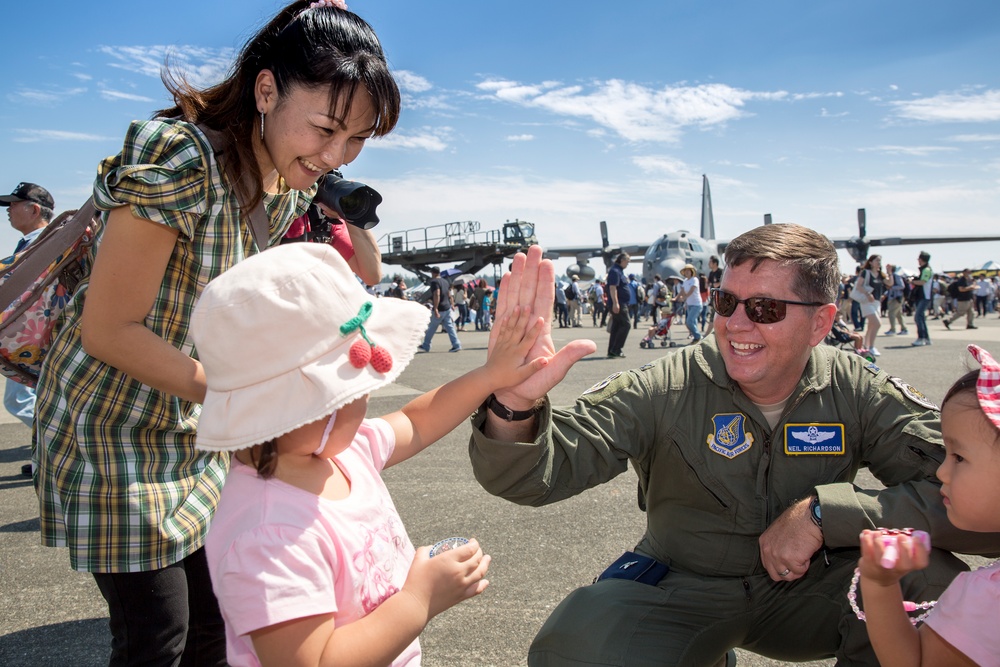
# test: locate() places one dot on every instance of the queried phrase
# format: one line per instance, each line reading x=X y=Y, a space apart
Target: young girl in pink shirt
x=964 y=626
x=307 y=553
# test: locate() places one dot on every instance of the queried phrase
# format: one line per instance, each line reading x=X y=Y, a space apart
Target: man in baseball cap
x=29 y=208
x=31 y=193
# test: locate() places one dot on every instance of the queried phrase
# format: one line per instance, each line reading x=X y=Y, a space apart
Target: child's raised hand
x=515 y=333
x=448 y=578
x=885 y=558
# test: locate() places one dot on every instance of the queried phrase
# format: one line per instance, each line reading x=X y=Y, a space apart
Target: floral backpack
x=35 y=286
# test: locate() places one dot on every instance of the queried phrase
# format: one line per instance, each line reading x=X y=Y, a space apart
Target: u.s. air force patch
x=912 y=393
x=823 y=439
x=603 y=383
x=730 y=438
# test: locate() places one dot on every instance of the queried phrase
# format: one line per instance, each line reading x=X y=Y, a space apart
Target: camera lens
x=355 y=204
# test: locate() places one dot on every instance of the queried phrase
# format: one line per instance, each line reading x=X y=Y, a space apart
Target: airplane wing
x=914 y=240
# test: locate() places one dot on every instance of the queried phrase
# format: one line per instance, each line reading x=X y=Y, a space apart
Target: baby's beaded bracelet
x=910 y=607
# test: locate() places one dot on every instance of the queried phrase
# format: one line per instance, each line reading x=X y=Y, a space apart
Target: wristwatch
x=815 y=513
x=506 y=414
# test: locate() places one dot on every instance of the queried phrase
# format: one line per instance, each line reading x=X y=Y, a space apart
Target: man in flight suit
x=746 y=446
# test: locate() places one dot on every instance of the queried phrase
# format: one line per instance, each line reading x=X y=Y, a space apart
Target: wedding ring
x=785 y=573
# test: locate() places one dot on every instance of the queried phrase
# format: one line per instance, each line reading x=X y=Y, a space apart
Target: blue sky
x=565 y=114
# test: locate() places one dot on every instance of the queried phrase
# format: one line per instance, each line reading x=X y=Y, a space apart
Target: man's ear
x=265 y=91
x=822 y=323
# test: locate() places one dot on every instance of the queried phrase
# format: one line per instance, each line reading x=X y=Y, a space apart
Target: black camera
x=354 y=202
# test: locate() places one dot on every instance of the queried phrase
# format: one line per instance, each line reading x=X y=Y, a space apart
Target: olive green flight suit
x=714 y=476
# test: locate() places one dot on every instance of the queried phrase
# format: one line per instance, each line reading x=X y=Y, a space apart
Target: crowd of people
x=201 y=442
x=874 y=294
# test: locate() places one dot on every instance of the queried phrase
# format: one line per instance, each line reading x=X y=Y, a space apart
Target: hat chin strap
x=326 y=433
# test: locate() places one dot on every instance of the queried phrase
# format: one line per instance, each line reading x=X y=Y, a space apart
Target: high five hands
x=531 y=283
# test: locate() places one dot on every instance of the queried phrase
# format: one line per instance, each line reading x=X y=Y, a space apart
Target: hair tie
x=339 y=4
x=365 y=351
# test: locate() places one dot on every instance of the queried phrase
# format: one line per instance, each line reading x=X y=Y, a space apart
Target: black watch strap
x=506 y=414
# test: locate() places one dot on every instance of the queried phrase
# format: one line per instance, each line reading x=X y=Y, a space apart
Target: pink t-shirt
x=277 y=552
x=968 y=615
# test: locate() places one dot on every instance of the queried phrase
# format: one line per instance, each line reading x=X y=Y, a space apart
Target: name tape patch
x=821 y=439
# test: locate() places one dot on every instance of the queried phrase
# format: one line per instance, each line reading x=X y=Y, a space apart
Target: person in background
x=598 y=311
x=690 y=296
x=573 y=299
x=925 y=283
x=618 y=294
x=461 y=304
x=961 y=629
x=30 y=208
x=562 y=312
x=119 y=480
x=867 y=292
x=984 y=293
x=634 y=289
x=440 y=305
x=965 y=288
x=714 y=280
x=894 y=300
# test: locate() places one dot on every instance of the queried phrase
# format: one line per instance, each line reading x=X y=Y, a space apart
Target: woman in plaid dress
x=119 y=481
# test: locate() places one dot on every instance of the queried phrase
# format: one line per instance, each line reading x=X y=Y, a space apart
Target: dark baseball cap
x=29 y=192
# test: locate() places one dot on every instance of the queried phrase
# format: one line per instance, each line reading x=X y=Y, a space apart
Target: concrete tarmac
x=52 y=616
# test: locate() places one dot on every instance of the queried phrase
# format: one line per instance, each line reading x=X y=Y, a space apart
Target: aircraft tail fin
x=707 y=219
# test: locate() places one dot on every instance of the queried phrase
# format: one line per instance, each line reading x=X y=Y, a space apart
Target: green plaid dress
x=119 y=480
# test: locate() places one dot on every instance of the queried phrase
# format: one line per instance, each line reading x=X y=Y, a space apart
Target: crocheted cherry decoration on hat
x=365 y=351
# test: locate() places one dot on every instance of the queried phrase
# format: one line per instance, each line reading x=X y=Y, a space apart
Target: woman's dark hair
x=310 y=47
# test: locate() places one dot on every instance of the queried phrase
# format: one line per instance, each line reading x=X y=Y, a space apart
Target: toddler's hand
x=886 y=558
x=514 y=335
x=448 y=578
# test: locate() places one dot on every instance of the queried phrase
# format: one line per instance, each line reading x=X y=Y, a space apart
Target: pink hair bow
x=988 y=385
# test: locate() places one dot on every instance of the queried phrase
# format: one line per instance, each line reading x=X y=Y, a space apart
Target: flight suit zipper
x=747 y=591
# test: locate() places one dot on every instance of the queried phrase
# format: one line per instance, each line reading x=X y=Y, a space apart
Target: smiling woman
x=119 y=480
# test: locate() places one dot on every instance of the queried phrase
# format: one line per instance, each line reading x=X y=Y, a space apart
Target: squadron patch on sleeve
x=646 y=367
x=730 y=438
x=824 y=439
x=912 y=393
x=872 y=368
x=603 y=383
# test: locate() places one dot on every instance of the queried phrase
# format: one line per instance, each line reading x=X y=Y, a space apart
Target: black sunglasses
x=759 y=309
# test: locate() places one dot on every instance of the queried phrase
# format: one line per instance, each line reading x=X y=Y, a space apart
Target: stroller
x=660 y=332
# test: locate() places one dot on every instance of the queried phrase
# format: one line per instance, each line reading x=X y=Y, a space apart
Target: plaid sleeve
x=161 y=173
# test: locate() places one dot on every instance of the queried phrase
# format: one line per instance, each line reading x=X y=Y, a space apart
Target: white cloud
x=410 y=82
x=44 y=97
x=521 y=137
x=661 y=164
x=908 y=150
x=115 y=95
x=429 y=139
x=633 y=111
x=953 y=107
x=31 y=136
x=975 y=138
x=200 y=66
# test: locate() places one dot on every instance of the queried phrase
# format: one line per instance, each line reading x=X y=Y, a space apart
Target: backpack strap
x=258 y=223
x=38 y=256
